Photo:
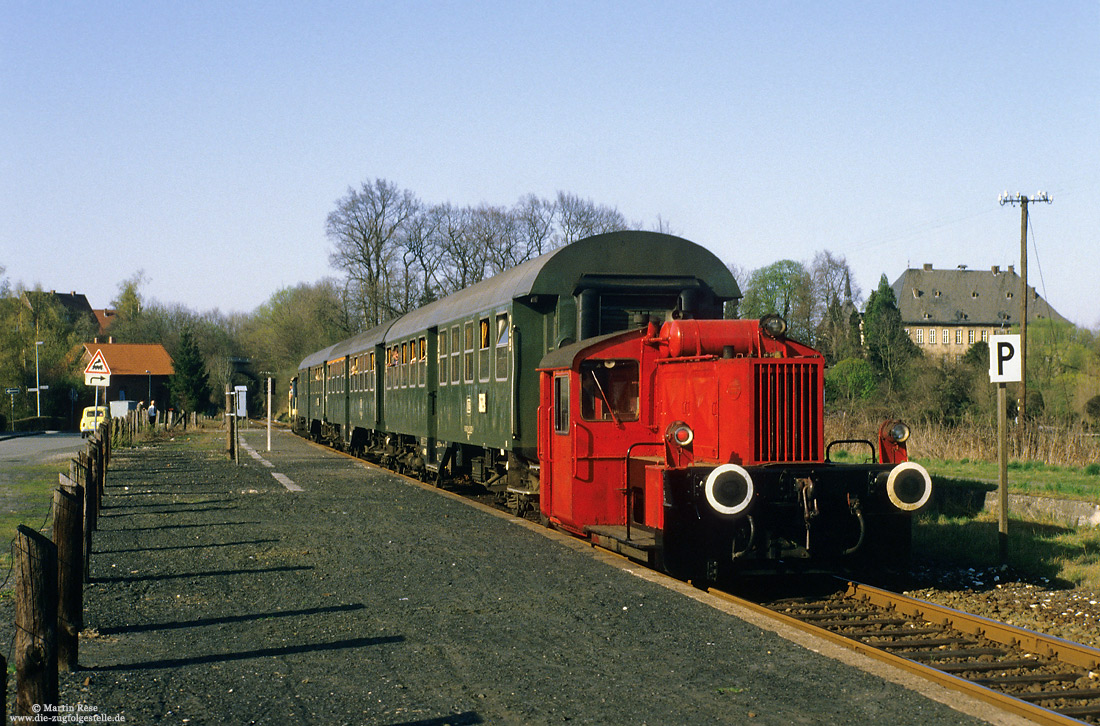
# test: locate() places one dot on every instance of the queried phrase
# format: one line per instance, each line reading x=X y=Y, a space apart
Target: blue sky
x=205 y=143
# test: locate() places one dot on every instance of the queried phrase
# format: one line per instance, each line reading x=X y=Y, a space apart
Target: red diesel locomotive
x=698 y=448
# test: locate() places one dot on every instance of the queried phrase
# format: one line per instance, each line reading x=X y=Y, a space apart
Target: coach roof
x=363 y=342
x=316 y=359
x=560 y=272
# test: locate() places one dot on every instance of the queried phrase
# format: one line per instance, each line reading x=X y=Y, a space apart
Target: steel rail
x=1082 y=656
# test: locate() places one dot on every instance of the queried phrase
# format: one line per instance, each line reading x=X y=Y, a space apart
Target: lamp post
x=37 y=380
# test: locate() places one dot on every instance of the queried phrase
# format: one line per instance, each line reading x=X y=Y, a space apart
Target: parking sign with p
x=1005 y=361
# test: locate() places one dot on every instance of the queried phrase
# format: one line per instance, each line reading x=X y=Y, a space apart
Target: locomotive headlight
x=773 y=325
x=909 y=486
x=729 y=489
x=899 y=432
x=680 y=433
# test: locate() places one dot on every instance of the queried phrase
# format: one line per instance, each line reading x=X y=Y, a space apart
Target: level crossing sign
x=98 y=373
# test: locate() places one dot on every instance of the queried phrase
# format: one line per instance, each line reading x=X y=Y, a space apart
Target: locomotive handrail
x=849 y=441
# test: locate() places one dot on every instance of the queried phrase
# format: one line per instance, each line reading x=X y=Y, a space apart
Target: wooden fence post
x=68 y=535
x=35 y=623
x=89 y=513
x=95 y=451
x=3 y=689
x=229 y=418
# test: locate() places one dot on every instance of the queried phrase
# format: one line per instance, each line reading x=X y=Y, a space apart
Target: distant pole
x=269 y=413
x=37 y=380
x=1023 y=202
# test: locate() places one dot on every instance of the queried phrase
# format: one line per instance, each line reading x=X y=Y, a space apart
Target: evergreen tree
x=889 y=348
x=189 y=384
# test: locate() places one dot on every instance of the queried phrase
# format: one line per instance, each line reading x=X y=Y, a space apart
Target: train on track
x=600 y=386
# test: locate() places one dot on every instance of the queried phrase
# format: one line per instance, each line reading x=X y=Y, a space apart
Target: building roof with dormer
x=988 y=298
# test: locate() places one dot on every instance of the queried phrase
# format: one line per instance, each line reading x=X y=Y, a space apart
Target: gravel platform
x=222 y=596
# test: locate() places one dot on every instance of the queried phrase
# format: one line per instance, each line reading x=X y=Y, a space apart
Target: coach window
x=423 y=344
x=456 y=354
x=404 y=365
x=370 y=374
x=609 y=390
x=441 y=341
x=561 y=404
x=468 y=353
x=502 y=346
x=483 y=345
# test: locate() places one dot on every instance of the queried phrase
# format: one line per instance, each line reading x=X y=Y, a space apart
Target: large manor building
x=946 y=311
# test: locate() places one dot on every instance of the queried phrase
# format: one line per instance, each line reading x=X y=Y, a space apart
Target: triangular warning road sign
x=98 y=364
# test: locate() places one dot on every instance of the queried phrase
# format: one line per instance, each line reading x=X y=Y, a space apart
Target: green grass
x=26 y=493
x=1026 y=477
x=1064 y=555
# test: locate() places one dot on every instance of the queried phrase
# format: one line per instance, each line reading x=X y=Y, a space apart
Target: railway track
x=1040 y=677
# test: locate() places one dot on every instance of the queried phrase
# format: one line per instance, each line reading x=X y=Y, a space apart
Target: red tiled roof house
x=139 y=371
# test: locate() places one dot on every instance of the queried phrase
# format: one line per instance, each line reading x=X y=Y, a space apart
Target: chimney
x=1011 y=269
x=996 y=269
x=927 y=265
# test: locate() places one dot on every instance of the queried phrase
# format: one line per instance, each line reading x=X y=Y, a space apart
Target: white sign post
x=1005 y=366
x=98 y=374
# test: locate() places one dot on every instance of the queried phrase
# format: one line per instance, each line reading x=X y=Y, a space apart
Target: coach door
x=561 y=445
x=429 y=379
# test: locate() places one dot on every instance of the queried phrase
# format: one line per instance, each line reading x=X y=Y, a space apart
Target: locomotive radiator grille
x=788 y=422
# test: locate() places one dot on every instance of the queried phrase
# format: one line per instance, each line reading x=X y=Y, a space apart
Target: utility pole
x=1023 y=201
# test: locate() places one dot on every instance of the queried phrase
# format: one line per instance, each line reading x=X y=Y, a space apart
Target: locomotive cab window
x=561 y=404
x=609 y=390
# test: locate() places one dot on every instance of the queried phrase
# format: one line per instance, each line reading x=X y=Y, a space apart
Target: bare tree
x=534 y=219
x=463 y=258
x=579 y=218
x=365 y=230
x=422 y=243
x=495 y=229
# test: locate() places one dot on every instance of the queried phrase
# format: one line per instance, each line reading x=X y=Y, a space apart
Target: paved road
x=41 y=448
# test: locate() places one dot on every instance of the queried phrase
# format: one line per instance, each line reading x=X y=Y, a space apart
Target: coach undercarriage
x=513 y=479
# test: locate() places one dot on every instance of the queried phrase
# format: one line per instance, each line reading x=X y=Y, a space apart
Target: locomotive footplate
x=636 y=542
